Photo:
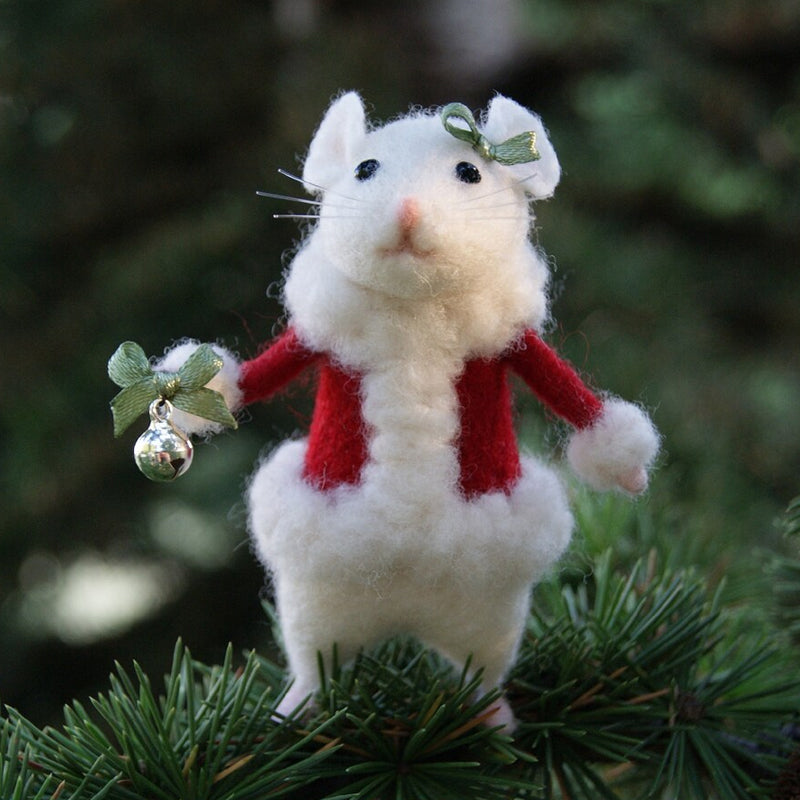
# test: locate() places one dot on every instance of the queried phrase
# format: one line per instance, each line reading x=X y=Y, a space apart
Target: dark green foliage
x=20 y=778
x=627 y=683
x=784 y=570
x=209 y=735
x=642 y=670
x=791 y=519
x=133 y=137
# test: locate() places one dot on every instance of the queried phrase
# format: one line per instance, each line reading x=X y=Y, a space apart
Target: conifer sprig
x=20 y=778
x=412 y=729
x=638 y=671
x=628 y=684
x=210 y=735
x=784 y=571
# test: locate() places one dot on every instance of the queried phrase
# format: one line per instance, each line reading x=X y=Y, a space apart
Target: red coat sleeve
x=282 y=361
x=554 y=381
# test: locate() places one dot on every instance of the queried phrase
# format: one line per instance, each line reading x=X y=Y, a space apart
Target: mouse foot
x=499 y=714
x=295 y=704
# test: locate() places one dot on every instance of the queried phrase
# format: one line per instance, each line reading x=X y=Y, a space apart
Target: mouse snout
x=408 y=215
x=405 y=234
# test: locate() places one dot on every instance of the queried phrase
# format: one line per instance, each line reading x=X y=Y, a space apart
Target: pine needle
x=634 y=679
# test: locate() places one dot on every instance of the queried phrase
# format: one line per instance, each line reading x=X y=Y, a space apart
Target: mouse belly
x=353 y=566
x=404 y=550
x=360 y=534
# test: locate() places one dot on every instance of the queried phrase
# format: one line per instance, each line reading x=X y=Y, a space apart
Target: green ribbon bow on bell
x=186 y=389
x=519 y=149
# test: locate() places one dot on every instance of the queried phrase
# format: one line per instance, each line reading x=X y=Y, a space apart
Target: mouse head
x=413 y=209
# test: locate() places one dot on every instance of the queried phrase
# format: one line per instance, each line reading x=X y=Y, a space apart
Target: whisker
x=295 y=216
x=491 y=218
x=289 y=197
x=494 y=205
x=315 y=216
x=497 y=191
x=316 y=185
x=303 y=200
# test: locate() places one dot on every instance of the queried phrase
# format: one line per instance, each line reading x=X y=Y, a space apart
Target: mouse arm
x=614 y=443
x=241 y=383
x=280 y=363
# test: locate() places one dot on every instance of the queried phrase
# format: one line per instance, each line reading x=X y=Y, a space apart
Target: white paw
x=499 y=714
x=617 y=450
x=295 y=703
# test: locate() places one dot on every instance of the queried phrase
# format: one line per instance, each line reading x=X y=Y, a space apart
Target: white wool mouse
x=407 y=509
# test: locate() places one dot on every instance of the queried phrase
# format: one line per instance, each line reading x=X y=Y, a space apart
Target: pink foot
x=500 y=714
x=296 y=703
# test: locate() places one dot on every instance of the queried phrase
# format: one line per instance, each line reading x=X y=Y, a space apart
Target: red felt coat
x=487 y=446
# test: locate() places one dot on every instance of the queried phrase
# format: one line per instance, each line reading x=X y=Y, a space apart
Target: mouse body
x=408 y=508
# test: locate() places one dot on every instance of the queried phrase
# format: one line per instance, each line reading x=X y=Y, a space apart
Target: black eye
x=468 y=173
x=366 y=169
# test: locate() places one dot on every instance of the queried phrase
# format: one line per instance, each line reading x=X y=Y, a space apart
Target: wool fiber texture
x=408 y=509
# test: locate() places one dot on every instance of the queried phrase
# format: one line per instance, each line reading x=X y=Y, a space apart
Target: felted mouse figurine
x=407 y=509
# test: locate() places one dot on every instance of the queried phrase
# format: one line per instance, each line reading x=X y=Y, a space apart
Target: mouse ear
x=342 y=128
x=503 y=119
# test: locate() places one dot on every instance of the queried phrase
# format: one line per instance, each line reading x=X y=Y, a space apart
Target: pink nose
x=408 y=214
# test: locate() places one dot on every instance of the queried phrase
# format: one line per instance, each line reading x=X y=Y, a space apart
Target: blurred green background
x=133 y=137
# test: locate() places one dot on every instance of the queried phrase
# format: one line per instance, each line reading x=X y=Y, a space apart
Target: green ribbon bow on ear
x=186 y=389
x=519 y=149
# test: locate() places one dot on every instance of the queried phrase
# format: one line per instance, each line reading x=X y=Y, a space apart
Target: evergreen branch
x=20 y=777
x=624 y=683
x=209 y=732
x=641 y=677
x=791 y=518
x=784 y=571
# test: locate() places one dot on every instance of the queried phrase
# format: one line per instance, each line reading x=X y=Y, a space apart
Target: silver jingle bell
x=163 y=452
